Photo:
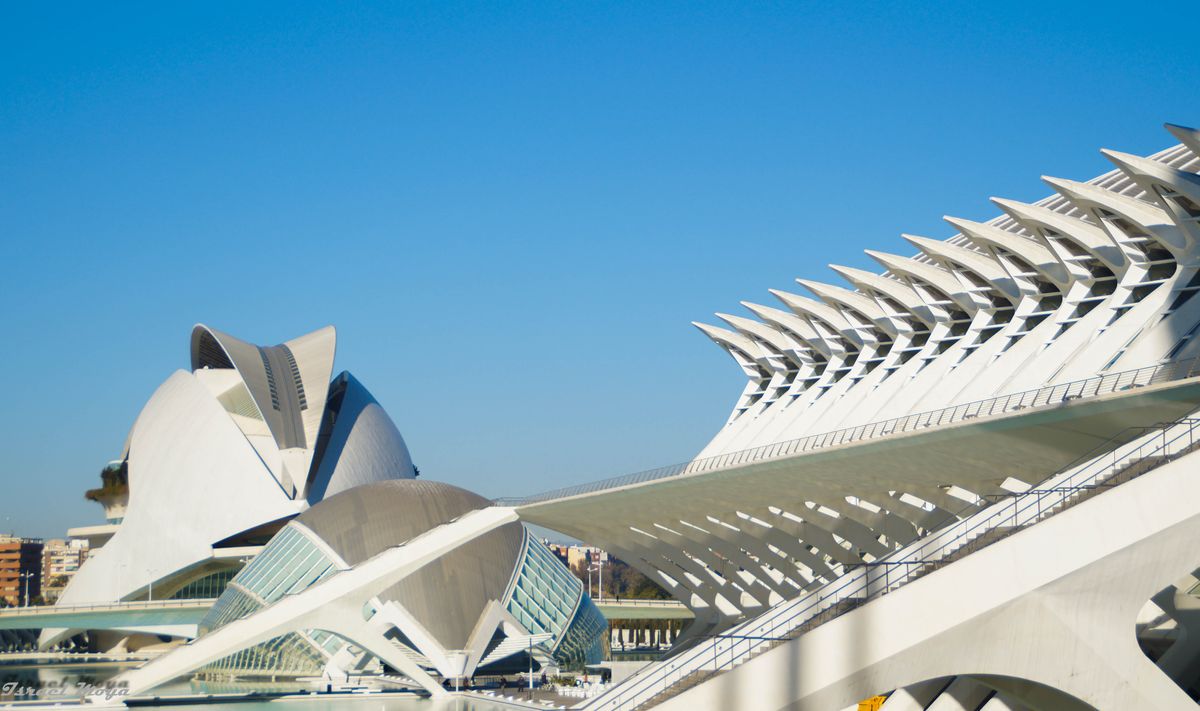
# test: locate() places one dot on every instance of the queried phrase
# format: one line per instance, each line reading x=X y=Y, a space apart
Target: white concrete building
x=223 y=456
x=965 y=483
x=468 y=612
x=1098 y=277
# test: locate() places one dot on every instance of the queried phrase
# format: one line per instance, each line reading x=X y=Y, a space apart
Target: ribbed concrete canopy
x=447 y=595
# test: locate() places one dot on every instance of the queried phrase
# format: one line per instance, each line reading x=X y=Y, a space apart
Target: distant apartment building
x=20 y=569
x=558 y=549
x=577 y=557
x=60 y=559
x=583 y=556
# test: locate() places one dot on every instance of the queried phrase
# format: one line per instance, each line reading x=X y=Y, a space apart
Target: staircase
x=693 y=679
x=861 y=584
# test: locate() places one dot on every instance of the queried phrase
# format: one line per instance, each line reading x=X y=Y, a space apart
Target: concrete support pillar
x=915 y=697
x=963 y=694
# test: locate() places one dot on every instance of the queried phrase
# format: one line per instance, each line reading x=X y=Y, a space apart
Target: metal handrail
x=859 y=585
x=1040 y=397
x=641 y=602
x=130 y=605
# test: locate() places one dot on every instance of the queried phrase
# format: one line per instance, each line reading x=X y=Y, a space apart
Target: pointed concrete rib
x=729 y=340
x=897 y=291
x=836 y=296
x=1146 y=172
x=1033 y=252
x=986 y=267
x=1039 y=217
x=934 y=276
x=1147 y=215
x=831 y=317
x=799 y=329
x=769 y=338
x=1189 y=137
x=810 y=307
x=1142 y=212
x=1089 y=237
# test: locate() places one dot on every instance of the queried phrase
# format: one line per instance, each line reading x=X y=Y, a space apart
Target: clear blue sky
x=510 y=211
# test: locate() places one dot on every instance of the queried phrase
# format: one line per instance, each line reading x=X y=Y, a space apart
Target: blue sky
x=510 y=211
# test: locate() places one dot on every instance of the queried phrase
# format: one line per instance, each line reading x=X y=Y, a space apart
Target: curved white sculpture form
x=362 y=445
x=223 y=456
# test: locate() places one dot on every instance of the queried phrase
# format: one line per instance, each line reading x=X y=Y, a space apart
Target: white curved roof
x=247 y=439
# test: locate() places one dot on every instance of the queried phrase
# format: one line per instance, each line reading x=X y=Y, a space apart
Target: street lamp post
x=26 y=576
x=599 y=566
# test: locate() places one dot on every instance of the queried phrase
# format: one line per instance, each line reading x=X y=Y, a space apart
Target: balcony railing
x=1040 y=397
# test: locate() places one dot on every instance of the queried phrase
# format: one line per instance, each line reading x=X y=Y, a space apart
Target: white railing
x=639 y=602
x=107 y=606
x=1040 y=397
x=869 y=581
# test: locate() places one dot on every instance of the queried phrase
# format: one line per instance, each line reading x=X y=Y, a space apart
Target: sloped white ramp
x=1054 y=604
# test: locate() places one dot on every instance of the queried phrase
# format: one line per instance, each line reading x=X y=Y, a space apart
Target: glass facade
x=291 y=562
x=544 y=597
x=586 y=637
x=548 y=598
x=546 y=593
x=210 y=586
x=292 y=654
